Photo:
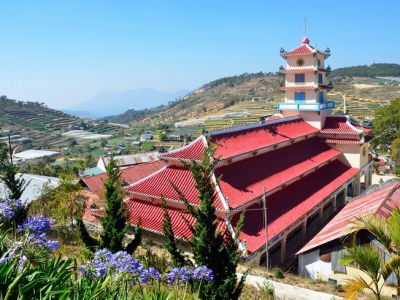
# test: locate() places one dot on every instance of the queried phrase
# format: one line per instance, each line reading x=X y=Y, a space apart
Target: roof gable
x=129 y=175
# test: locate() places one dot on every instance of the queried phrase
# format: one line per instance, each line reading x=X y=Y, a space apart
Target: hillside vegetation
x=374 y=70
x=223 y=102
x=257 y=95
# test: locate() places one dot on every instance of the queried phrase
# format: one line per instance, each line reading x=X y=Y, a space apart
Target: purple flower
x=102 y=256
x=22 y=263
x=4 y=259
x=144 y=276
x=153 y=274
x=178 y=275
x=52 y=245
x=15 y=204
x=6 y=212
x=36 y=225
x=203 y=273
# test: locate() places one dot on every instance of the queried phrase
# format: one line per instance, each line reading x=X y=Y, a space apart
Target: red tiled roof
x=381 y=202
x=294 y=201
x=365 y=129
x=91 y=199
x=152 y=216
x=342 y=141
x=247 y=140
x=298 y=87
x=160 y=183
x=244 y=180
x=275 y=117
x=194 y=151
x=384 y=167
x=297 y=70
x=305 y=48
x=338 y=124
x=130 y=175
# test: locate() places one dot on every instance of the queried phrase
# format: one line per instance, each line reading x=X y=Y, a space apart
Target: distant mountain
x=374 y=70
x=107 y=103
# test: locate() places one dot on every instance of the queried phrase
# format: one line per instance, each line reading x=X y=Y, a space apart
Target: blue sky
x=65 y=52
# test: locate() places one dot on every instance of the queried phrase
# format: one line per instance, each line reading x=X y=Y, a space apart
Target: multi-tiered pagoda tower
x=306 y=85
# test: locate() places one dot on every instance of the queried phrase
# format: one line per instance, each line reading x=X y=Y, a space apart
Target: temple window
x=299 y=78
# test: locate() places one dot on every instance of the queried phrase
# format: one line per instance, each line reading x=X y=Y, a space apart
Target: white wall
x=311 y=267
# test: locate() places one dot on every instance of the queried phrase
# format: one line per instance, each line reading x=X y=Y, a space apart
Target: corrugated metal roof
x=134 y=159
x=379 y=202
x=35 y=187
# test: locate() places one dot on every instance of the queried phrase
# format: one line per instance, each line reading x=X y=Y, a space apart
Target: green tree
x=67 y=201
x=387 y=123
x=212 y=248
x=387 y=232
x=15 y=184
x=72 y=143
x=114 y=222
x=8 y=174
x=395 y=149
x=103 y=143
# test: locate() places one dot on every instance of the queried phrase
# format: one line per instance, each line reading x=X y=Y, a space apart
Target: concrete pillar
x=283 y=250
x=366 y=179
x=304 y=231
x=334 y=203
x=356 y=185
x=320 y=216
x=370 y=176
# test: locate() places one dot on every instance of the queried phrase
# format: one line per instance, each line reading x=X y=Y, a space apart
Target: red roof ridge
x=253 y=125
x=220 y=195
x=304 y=48
x=170 y=154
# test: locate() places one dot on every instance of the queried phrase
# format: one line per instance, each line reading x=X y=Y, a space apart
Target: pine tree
x=215 y=249
x=179 y=259
x=8 y=172
x=15 y=185
x=114 y=221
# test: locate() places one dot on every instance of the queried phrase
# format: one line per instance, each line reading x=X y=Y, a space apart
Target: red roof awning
x=380 y=202
x=288 y=205
x=244 y=180
x=339 y=124
x=234 y=143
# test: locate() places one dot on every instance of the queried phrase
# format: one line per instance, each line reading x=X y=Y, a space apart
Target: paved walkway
x=289 y=292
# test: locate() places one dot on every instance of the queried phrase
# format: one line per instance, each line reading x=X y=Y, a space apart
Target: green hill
x=374 y=70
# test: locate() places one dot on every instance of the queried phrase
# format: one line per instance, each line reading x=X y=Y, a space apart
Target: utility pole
x=266 y=229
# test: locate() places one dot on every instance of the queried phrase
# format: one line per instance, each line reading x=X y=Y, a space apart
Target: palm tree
x=370 y=261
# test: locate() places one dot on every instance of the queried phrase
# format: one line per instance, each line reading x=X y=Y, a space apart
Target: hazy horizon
x=65 y=53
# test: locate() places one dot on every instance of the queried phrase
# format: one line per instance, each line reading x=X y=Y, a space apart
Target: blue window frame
x=299 y=78
x=319 y=78
x=321 y=97
x=300 y=97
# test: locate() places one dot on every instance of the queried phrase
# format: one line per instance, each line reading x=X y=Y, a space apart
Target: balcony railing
x=306 y=106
